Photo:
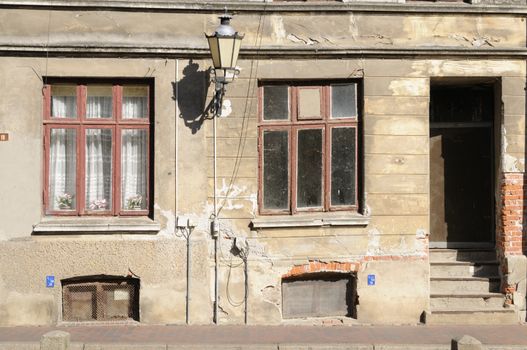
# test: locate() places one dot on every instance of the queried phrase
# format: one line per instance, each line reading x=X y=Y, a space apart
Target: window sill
x=310 y=220
x=96 y=225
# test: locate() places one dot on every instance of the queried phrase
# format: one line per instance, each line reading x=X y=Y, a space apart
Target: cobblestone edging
x=137 y=346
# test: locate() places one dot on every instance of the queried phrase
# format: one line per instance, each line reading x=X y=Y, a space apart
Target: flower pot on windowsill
x=64 y=206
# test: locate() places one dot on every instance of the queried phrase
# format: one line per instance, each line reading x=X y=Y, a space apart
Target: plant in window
x=98 y=204
x=65 y=201
x=134 y=202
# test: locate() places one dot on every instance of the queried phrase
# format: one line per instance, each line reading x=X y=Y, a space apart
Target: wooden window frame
x=81 y=123
x=292 y=125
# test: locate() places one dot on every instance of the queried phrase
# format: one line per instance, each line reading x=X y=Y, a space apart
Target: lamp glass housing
x=224 y=50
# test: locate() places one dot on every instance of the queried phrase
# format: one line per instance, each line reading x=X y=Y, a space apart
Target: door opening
x=462 y=165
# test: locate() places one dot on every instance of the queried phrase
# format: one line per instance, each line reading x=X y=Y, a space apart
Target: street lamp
x=224 y=46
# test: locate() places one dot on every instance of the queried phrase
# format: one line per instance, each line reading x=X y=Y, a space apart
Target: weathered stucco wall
x=160 y=30
x=393 y=245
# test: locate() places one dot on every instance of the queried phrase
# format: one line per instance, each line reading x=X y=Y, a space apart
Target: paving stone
x=326 y=347
x=411 y=347
x=125 y=346
x=55 y=340
x=19 y=346
x=466 y=342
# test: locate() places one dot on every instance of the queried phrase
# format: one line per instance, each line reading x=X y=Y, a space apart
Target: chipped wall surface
x=395 y=124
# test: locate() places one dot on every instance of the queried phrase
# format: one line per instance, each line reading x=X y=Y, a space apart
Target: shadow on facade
x=191 y=91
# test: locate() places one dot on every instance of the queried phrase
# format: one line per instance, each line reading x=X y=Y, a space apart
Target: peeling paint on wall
x=408 y=87
x=509 y=162
x=279 y=32
x=353 y=29
x=440 y=68
x=228 y=193
x=374 y=242
x=226 y=108
x=298 y=39
x=168 y=215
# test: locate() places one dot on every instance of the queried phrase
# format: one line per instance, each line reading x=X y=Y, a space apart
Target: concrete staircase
x=465 y=288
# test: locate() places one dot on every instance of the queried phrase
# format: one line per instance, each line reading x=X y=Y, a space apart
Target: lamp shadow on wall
x=190 y=93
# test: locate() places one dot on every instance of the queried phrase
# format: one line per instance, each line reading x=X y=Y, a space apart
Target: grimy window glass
x=343 y=155
x=343 y=100
x=309 y=168
x=308 y=136
x=276 y=102
x=275 y=173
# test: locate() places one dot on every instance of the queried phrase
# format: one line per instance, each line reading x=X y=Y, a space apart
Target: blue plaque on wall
x=50 y=281
x=371 y=280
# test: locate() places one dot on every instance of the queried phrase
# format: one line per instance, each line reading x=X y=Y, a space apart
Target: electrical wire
x=229 y=297
x=253 y=75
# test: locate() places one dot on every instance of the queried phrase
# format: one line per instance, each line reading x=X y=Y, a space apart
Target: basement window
x=319 y=295
x=100 y=298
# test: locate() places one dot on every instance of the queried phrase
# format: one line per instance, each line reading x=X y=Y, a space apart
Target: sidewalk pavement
x=92 y=337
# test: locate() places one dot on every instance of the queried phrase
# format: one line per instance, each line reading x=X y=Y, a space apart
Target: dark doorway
x=461 y=165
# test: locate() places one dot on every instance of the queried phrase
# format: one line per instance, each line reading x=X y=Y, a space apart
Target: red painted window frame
x=292 y=125
x=117 y=124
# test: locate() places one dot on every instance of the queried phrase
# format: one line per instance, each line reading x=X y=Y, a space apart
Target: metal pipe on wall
x=187 y=307
x=215 y=227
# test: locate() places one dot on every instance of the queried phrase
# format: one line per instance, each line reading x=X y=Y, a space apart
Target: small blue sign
x=371 y=280
x=50 y=281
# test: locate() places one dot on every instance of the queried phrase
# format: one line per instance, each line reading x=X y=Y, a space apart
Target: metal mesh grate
x=107 y=300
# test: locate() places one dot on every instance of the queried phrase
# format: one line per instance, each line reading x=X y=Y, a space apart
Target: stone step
x=472 y=255
x=454 y=285
x=466 y=301
x=499 y=316
x=464 y=269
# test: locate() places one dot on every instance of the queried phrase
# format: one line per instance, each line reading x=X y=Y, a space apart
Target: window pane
x=135 y=102
x=99 y=102
x=275 y=170
x=343 y=101
x=64 y=101
x=276 y=102
x=133 y=169
x=98 y=169
x=343 y=155
x=309 y=177
x=309 y=106
x=62 y=169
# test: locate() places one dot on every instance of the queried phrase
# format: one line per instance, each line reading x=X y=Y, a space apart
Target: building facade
x=367 y=165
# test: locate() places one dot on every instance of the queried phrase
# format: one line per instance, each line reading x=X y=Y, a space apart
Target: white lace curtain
x=134 y=107
x=98 y=154
x=99 y=107
x=64 y=107
x=133 y=169
x=98 y=157
x=62 y=169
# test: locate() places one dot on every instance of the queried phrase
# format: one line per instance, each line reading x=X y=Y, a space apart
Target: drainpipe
x=246 y=272
x=187 y=306
x=176 y=151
